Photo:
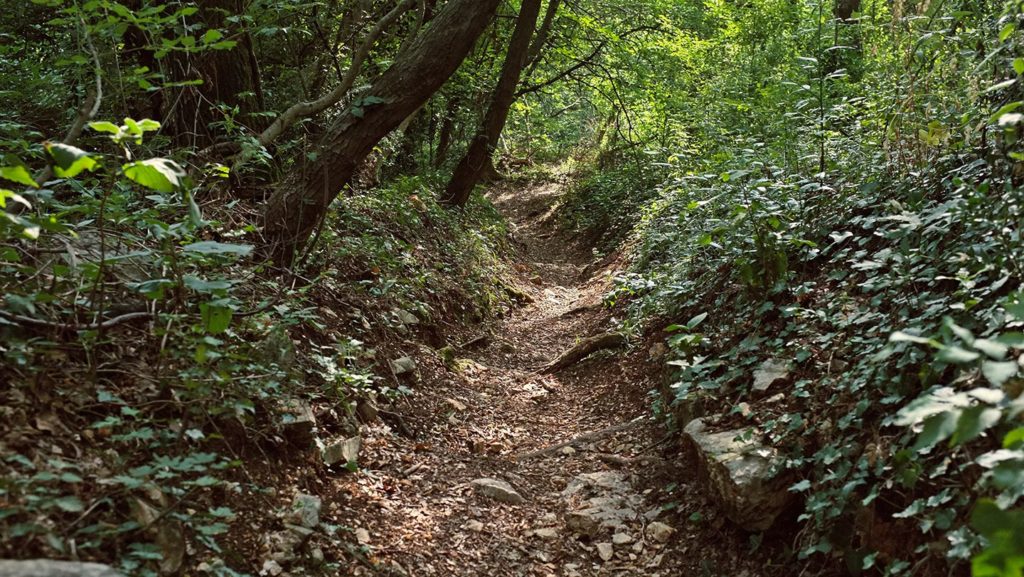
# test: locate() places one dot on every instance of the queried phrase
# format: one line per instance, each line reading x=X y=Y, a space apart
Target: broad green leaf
x=1018 y=65
x=18 y=174
x=957 y=356
x=212 y=36
x=70 y=503
x=993 y=349
x=1007 y=31
x=69 y=161
x=998 y=372
x=159 y=174
x=902 y=337
x=692 y=324
x=213 y=247
x=107 y=127
x=937 y=428
x=216 y=318
x=1013 y=438
x=973 y=422
x=10 y=194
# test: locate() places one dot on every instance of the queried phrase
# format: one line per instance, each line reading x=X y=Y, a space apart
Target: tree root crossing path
x=541 y=457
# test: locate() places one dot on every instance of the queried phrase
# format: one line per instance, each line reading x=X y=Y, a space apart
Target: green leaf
x=1018 y=65
x=209 y=247
x=216 y=318
x=212 y=36
x=10 y=194
x=973 y=422
x=1007 y=31
x=902 y=337
x=937 y=428
x=1005 y=110
x=1013 y=438
x=997 y=372
x=159 y=174
x=18 y=174
x=957 y=356
x=107 y=127
x=993 y=349
x=800 y=486
x=692 y=324
x=69 y=161
x=70 y=503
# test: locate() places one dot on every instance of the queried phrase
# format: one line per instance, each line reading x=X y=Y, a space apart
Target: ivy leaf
x=18 y=174
x=159 y=174
x=801 y=486
x=69 y=161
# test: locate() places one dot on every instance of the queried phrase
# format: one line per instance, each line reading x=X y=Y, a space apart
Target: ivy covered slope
x=151 y=359
x=833 y=261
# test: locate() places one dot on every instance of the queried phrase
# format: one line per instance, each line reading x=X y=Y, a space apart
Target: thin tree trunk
x=444 y=138
x=296 y=208
x=467 y=174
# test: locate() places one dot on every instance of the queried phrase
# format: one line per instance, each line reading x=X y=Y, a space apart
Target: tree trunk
x=444 y=139
x=296 y=209
x=228 y=76
x=467 y=173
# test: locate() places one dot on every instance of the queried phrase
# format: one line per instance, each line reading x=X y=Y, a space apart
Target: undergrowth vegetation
x=857 y=219
x=190 y=355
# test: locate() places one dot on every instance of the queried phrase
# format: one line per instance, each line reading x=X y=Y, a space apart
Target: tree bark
x=295 y=209
x=467 y=174
x=229 y=76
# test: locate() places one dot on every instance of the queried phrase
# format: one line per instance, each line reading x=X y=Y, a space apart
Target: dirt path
x=612 y=506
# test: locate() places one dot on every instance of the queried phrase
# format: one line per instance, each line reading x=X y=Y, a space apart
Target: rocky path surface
x=522 y=473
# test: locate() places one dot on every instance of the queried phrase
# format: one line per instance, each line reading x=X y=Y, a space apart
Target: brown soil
x=413 y=496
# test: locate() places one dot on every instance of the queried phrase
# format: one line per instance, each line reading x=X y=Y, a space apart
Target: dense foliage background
x=834 y=186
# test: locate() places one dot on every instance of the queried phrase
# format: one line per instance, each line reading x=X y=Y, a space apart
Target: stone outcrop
x=746 y=477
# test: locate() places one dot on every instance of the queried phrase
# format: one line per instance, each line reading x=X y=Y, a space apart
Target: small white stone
x=605 y=551
x=362 y=536
x=659 y=532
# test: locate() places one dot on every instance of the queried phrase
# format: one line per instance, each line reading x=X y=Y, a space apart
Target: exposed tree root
x=584 y=349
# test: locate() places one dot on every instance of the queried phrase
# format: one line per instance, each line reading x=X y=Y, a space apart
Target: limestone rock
x=362 y=536
x=403 y=365
x=622 y=539
x=48 y=568
x=547 y=533
x=498 y=490
x=744 y=475
x=305 y=511
x=659 y=532
x=605 y=551
x=474 y=526
x=346 y=451
x=271 y=568
x=770 y=372
x=298 y=421
x=407 y=318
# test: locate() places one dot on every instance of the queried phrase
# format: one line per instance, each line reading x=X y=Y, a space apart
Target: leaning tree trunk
x=467 y=174
x=295 y=209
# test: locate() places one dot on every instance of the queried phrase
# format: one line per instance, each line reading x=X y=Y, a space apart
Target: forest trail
x=605 y=506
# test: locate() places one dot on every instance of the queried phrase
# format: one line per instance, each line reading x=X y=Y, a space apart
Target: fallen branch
x=31 y=322
x=584 y=349
x=584 y=438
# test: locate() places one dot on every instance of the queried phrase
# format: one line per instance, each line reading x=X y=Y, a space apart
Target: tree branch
x=303 y=109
